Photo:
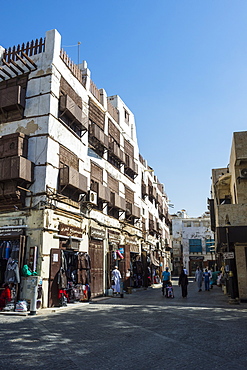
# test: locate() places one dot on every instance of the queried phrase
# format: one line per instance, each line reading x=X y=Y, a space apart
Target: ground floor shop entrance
x=97 y=257
x=70 y=276
x=12 y=252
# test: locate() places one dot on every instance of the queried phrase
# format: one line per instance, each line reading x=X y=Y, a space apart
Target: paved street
x=143 y=330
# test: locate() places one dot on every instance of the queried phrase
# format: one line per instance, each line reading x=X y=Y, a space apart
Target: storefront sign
x=228 y=255
x=130 y=240
x=97 y=233
x=11 y=232
x=195 y=258
x=113 y=237
x=69 y=230
x=134 y=248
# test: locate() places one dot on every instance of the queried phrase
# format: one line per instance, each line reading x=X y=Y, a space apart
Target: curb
x=49 y=310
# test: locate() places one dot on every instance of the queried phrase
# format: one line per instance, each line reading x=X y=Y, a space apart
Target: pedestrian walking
x=199 y=278
x=116 y=278
x=166 y=276
x=183 y=282
x=185 y=270
x=206 y=276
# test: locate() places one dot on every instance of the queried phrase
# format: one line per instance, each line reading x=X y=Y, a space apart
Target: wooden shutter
x=96 y=173
x=68 y=158
x=113 y=131
x=129 y=195
x=96 y=115
x=128 y=148
x=113 y=184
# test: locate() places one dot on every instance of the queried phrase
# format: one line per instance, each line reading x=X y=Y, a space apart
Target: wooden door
x=97 y=256
x=55 y=264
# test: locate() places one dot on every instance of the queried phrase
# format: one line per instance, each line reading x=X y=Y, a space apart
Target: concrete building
x=228 y=207
x=192 y=242
x=76 y=196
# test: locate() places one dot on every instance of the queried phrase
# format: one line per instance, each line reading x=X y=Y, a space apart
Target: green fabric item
x=25 y=271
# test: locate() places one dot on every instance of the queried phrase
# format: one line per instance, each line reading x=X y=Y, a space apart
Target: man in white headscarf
x=116 y=276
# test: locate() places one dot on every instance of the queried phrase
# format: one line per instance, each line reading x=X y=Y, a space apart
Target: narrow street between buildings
x=143 y=330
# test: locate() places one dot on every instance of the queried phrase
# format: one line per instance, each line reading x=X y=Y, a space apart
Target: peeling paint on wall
x=30 y=128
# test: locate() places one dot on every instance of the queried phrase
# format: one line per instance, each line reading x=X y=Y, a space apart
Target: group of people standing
x=200 y=275
x=183 y=279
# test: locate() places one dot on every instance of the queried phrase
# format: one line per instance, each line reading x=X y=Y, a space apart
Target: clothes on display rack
x=12 y=274
x=84 y=266
x=74 y=277
x=9 y=249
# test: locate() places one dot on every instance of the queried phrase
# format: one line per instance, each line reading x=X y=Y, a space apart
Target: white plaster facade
x=184 y=229
x=45 y=209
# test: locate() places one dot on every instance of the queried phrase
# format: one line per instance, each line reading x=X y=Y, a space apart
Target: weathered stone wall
x=240 y=251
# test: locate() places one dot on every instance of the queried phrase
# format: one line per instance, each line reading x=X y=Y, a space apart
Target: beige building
x=228 y=208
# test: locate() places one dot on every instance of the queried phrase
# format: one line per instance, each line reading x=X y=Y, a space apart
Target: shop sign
x=195 y=258
x=69 y=230
x=130 y=240
x=134 y=248
x=228 y=255
x=97 y=233
x=113 y=237
x=11 y=232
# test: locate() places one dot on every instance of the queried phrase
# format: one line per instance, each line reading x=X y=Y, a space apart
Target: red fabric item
x=6 y=294
x=5 y=297
x=62 y=292
x=120 y=254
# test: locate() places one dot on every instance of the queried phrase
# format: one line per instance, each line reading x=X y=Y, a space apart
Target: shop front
x=194 y=262
x=115 y=255
x=130 y=250
x=155 y=267
x=70 y=269
x=12 y=253
x=96 y=252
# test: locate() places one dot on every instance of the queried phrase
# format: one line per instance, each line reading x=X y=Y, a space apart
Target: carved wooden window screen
x=113 y=131
x=68 y=158
x=96 y=173
x=128 y=148
x=129 y=195
x=113 y=184
x=66 y=89
x=96 y=115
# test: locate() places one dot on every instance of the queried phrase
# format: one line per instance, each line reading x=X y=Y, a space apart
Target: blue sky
x=180 y=66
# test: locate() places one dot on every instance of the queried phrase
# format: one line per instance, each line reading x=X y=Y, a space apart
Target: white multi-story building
x=76 y=196
x=192 y=242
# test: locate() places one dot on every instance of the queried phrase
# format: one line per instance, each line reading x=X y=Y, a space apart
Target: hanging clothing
x=62 y=278
x=12 y=274
x=84 y=266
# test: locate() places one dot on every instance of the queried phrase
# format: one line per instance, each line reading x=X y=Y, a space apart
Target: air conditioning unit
x=92 y=197
x=243 y=173
x=82 y=197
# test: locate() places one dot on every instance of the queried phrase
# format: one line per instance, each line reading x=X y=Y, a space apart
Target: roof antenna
x=79 y=43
